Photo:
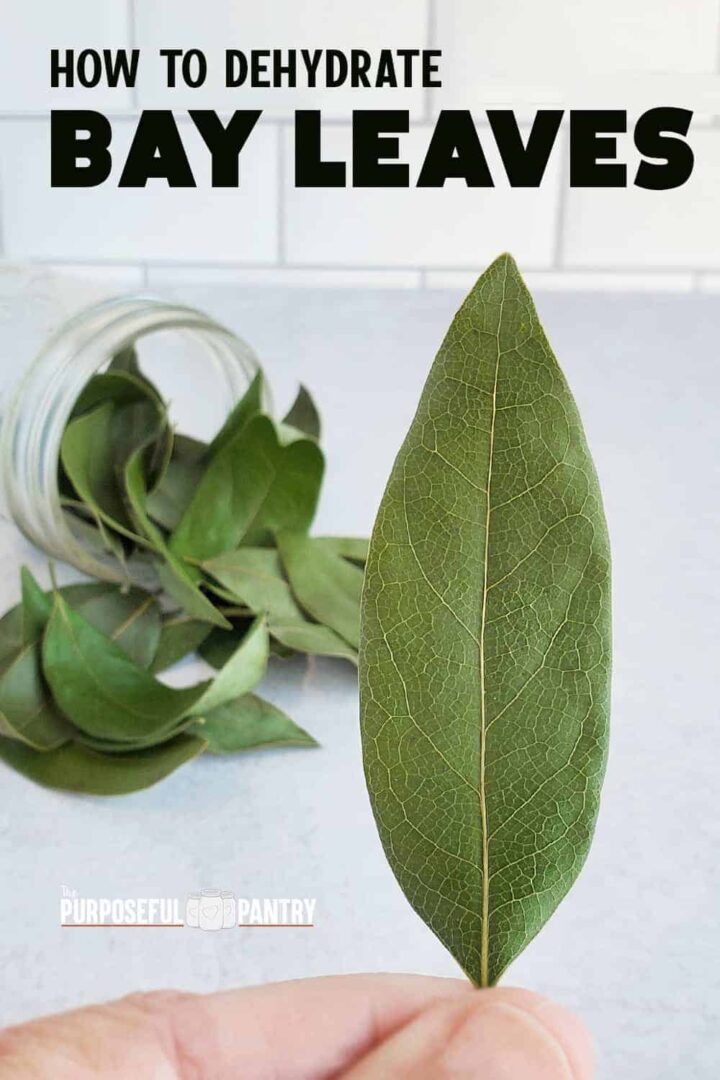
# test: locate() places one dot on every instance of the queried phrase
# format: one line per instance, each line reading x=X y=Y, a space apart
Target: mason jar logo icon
x=211 y=909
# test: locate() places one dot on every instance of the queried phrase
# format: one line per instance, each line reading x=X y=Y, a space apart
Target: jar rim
x=37 y=412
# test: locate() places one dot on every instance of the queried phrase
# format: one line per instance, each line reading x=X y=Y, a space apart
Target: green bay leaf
x=257 y=483
x=254 y=577
x=179 y=636
x=485 y=653
x=27 y=711
x=303 y=415
x=179 y=580
x=79 y=769
x=249 y=405
x=354 y=548
x=242 y=671
x=171 y=496
x=247 y=723
x=100 y=689
x=325 y=584
x=90 y=463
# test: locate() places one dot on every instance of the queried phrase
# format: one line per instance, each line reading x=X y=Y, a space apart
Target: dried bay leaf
x=247 y=723
x=254 y=485
x=354 y=548
x=254 y=577
x=249 y=405
x=325 y=584
x=100 y=689
x=179 y=636
x=178 y=579
x=303 y=415
x=243 y=670
x=90 y=463
x=219 y=645
x=485 y=653
x=82 y=770
x=129 y=617
x=171 y=496
x=27 y=712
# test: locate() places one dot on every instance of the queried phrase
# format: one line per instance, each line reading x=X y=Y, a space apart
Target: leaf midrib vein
x=485 y=911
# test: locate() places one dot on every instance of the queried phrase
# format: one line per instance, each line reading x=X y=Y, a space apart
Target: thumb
x=494 y=1034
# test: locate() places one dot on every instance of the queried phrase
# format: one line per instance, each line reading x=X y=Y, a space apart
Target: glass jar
x=36 y=413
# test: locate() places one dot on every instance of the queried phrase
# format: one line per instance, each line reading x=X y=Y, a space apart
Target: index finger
x=310 y=1028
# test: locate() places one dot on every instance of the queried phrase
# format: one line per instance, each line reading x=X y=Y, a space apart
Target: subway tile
x=34 y=28
x=637 y=229
x=500 y=53
x=124 y=225
x=454 y=226
x=283 y=277
x=216 y=25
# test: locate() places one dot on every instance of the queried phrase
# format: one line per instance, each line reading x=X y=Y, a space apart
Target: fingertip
x=563 y=1026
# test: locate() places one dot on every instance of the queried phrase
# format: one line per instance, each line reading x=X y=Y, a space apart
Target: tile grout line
x=661 y=270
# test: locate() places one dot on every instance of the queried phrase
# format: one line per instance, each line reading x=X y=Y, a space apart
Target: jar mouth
x=36 y=415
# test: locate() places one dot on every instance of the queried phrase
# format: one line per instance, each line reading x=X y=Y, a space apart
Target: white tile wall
x=635 y=228
x=33 y=27
x=521 y=53
x=217 y=25
x=525 y=50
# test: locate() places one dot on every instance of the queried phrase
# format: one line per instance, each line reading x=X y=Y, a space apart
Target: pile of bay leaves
x=211 y=543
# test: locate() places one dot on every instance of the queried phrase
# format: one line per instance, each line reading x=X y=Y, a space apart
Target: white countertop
x=635 y=948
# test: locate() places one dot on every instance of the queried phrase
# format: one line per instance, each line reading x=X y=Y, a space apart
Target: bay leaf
x=219 y=645
x=254 y=577
x=303 y=414
x=100 y=689
x=89 y=462
x=254 y=485
x=129 y=617
x=79 y=769
x=93 y=534
x=36 y=606
x=179 y=580
x=126 y=360
x=354 y=548
x=179 y=636
x=325 y=584
x=249 y=405
x=243 y=670
x=27 y=711
x=484 y=661
x=116 y=387
x=247 y=723
x=171 y=496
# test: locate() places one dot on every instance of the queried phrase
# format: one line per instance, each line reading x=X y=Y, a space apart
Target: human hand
x=357 y=1027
